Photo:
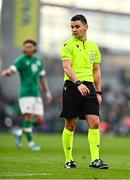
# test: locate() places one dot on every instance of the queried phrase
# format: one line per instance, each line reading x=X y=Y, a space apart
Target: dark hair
x=30 y=41
x=79 y=17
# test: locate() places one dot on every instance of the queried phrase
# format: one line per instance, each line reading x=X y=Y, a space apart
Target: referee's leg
x=67 y=138
x=94 y=142
x=93 y=135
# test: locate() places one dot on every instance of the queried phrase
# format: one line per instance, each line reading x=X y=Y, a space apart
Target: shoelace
x=97 y=162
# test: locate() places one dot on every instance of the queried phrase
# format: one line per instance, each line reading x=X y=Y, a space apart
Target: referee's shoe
x=98 y=163
x=70 y=164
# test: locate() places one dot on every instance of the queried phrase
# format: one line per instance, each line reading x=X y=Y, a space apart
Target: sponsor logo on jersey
x=34 y=67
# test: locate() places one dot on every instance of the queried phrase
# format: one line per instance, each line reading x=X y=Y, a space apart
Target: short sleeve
x=42 y=68
x=18 y=63
x=97 y=55
x=66 y=52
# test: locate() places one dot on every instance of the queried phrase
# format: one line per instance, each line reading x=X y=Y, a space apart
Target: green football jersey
x=30 y=68
x=82 y=54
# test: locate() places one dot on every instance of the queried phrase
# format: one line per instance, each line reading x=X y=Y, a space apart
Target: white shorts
x=31 y=105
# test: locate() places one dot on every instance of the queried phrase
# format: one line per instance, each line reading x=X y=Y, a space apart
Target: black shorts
x=76 y=105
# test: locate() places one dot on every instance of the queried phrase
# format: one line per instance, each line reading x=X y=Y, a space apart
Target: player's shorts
x=31 y=105
x=76 y=105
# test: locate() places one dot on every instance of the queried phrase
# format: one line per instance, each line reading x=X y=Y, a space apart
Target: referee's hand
x=99 y=98
x=83 y=90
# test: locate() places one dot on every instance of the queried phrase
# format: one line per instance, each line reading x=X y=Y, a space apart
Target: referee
x=81 y=91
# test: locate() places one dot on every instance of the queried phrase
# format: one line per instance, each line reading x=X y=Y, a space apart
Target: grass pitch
x=48 y=163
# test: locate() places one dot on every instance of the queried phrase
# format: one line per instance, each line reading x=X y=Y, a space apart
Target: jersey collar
x=78 y=40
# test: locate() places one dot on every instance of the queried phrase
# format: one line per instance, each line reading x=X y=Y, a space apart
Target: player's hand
x=48 y=97
x=99 y=98
x=83 y=90
x=6 y=73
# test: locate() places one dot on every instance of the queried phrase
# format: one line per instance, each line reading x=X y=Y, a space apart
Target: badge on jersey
x=38 y=63
x=78 y=47
x=92 y=57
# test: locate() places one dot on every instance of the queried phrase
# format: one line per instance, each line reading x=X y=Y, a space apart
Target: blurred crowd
x=115 y=111
x=115 y=108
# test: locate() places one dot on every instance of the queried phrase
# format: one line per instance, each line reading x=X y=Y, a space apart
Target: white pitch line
x=25 y=174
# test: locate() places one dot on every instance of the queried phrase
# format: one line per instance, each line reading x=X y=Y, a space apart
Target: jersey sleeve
x=97 y=55
x=66 y=52
x=42 y=69
x=17 y=65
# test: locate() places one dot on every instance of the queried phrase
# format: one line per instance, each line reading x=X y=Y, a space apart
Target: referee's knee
x=93 y=121
x=94 y=124
x=70 y=124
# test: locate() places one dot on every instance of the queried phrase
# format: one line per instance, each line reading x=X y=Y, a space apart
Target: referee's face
x=79 y=29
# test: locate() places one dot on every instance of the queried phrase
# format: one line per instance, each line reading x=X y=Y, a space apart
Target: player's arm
x=67 y=66
x=8 y=72
x=44 y=86
x=97 y=80
x=16 y=66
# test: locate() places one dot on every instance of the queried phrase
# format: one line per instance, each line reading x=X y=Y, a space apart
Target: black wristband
x=99 y=92
x=78 y=83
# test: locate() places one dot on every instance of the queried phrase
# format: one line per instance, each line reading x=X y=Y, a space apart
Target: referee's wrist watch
x=78 y=83
x=99 y=92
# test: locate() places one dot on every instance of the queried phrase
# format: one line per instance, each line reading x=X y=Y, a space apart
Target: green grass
x=48 y=163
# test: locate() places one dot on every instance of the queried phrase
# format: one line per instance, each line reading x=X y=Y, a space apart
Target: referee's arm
x=69 y=71
x=97 y=80
x=72 y=76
